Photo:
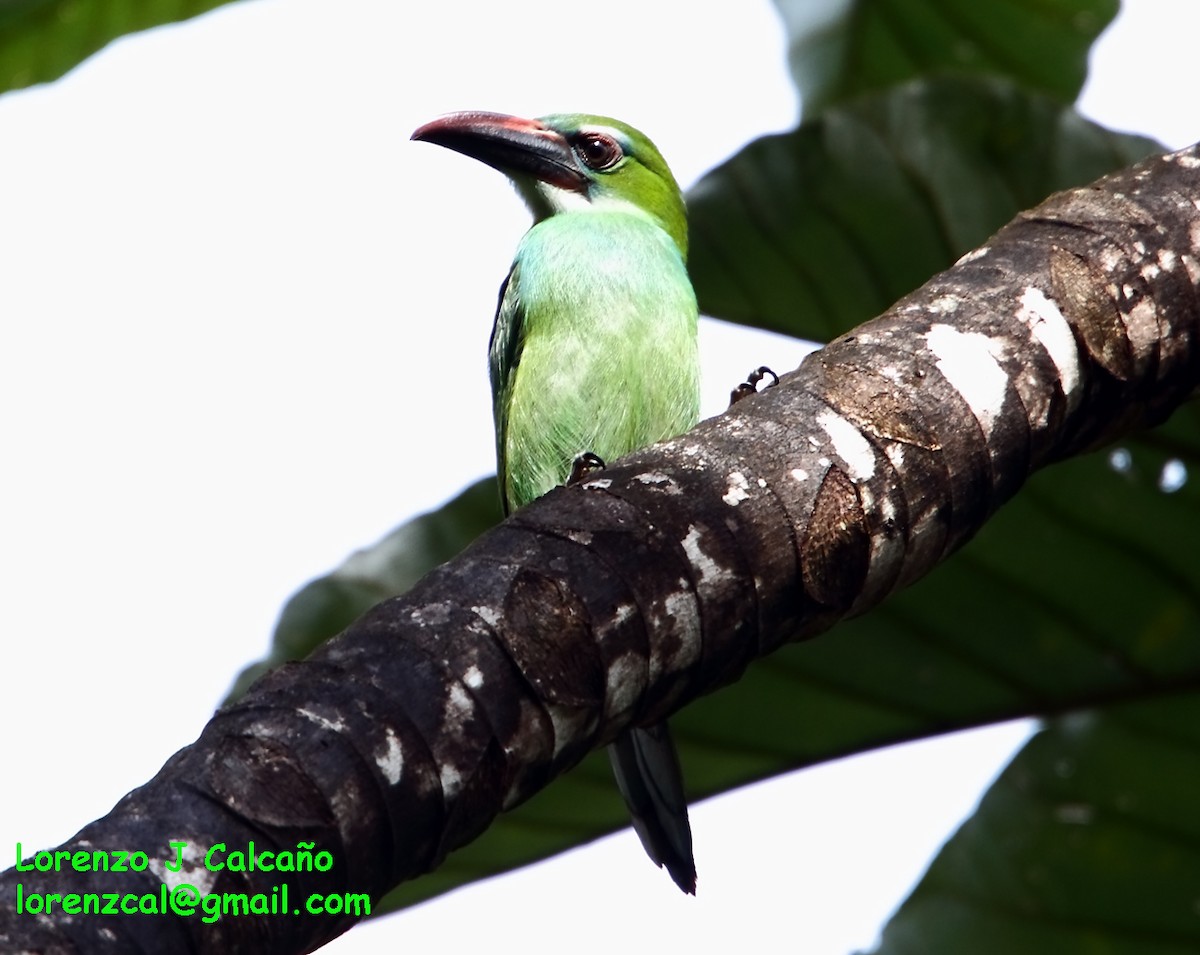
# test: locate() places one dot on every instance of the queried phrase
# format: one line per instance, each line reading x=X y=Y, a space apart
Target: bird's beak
x=510 y=144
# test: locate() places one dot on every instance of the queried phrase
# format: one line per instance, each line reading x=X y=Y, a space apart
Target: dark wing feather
x=504 y=354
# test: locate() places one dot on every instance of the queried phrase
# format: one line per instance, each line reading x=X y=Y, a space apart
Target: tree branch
x=659 y=580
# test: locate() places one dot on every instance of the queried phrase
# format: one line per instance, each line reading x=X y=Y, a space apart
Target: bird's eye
x=598 y=150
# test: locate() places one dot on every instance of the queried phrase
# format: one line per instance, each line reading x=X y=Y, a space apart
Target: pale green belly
x=614 y=371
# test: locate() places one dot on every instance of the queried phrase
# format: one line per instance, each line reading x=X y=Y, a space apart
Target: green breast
x=594 y=348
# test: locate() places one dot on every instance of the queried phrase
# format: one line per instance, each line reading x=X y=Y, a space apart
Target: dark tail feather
x=648 y=775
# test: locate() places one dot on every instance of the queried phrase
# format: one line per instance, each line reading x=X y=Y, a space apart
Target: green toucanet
x=593 y=352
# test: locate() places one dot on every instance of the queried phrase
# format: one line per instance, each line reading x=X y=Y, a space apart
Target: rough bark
x=660 y=579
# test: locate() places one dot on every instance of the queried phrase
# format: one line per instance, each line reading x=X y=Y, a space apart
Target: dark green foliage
x=40 y=40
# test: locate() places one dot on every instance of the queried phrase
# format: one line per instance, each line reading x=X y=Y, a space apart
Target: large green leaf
x=841 y=50
x=814 y=231
x=329 y=604
x=41 y=39
x=1088 y=843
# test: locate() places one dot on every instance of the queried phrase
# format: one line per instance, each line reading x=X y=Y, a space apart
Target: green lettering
x=208 y=859
x=212 y=908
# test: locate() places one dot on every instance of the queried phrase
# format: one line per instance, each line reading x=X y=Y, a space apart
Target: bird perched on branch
x=593 y=353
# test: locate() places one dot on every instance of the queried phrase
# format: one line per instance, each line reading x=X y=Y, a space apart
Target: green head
x=570 y=162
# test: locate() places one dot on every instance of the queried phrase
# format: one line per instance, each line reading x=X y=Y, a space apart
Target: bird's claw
x=584 y=466
x=750 y=385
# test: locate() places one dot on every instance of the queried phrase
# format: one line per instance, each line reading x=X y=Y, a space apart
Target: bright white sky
x=244 y=334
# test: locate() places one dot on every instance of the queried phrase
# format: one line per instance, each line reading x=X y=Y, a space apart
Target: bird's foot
x=750 y=385
x=584 y=466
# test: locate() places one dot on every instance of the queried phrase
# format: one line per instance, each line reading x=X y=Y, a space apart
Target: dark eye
x=597 y=150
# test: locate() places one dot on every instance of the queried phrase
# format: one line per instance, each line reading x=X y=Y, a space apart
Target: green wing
x=504 y=354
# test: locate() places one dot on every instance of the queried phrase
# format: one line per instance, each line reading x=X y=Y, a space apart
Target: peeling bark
x=659 y=580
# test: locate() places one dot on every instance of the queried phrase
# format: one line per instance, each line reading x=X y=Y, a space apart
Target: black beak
x=510 y=144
